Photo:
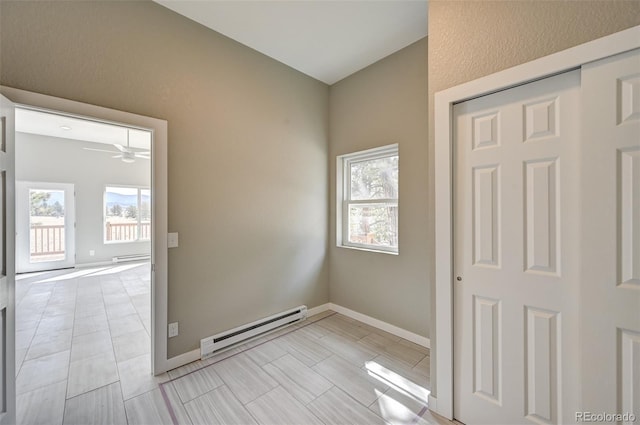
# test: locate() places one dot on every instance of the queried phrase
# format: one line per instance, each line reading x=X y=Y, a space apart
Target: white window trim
x=104 y=214
x=343 y=189
x=441 y=399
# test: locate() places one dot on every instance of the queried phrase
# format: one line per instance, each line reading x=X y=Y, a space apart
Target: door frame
x=566 y=60
x=23 y=246
x=159 y=186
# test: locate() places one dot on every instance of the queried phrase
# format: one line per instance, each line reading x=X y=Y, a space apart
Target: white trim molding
x=318 y=309
x=194 y=355
x=387 y=327
x=159 y=160
x=565 y=60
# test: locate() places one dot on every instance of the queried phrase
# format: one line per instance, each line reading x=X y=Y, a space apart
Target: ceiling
x=55 y=125
x=325 y=39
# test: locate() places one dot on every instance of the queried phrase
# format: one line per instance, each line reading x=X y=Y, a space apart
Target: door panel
x=610 y=299
x=515 y=230
x=45 y=226
x=7 y=264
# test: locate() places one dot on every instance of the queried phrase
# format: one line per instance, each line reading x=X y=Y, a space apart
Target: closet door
x=610 y=249
x=516 y=186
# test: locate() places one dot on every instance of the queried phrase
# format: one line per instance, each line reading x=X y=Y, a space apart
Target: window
x=127 y=212
x=368 y=199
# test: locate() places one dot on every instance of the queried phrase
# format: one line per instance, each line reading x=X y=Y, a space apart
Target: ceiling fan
x=126 y=153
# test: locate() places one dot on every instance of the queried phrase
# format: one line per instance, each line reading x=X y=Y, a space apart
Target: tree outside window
x=369 y=212
x=127 y=214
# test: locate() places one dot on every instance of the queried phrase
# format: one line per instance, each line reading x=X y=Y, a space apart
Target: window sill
x=378 y=251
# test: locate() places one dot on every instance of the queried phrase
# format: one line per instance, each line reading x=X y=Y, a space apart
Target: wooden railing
x=127 y=231
x=47 y=240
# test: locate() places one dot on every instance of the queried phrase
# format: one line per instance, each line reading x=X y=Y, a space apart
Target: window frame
x=139 y=220
x=344 y=201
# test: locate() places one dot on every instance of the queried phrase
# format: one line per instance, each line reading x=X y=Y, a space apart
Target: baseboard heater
x=127 y=258
x=213 y=344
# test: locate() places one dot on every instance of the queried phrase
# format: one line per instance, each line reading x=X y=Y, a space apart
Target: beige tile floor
x=83 y=358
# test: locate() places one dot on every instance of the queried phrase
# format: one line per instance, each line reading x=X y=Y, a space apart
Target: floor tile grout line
x=162 y=384
x=246 y=349
x=52 y=293
x=35 y=331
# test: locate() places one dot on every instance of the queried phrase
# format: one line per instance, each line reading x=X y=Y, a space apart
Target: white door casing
x=23 y=257
x=516 y=233
x=159 y=253
x=7 y=264
x=441 y=399
x=610 y=287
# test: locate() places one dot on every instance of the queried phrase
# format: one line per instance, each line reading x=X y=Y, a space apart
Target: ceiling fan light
x=128 y=160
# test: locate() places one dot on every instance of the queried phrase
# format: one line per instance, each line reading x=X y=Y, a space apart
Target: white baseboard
x=387 y=327
x=96 y=264
x=319 y=309
x=183 y=359
x=433 y=403
x=192 y=356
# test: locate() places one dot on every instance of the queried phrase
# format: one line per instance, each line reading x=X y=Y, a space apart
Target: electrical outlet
x=173 y=329
x=92 y=252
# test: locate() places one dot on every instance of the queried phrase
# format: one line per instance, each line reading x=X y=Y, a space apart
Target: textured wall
x=471 y=39
x=382 y=104
x=247 y=147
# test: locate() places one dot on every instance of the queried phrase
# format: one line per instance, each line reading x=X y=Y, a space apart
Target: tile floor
x=83 y=358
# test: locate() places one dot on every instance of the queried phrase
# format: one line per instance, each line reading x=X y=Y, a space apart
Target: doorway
x=45 y=226
x=12 y=98
x=91 y=323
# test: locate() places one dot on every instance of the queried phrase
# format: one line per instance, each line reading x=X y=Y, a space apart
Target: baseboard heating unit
x=213 y=344
x=127 y=258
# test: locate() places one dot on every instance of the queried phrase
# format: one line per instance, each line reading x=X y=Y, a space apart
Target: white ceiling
x=325 y=39
x=55 y=125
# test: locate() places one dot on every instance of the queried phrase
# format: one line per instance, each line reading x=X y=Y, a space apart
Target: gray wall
x=247 y=148
x=471 y=39
x=382 y=104
x=50 y=159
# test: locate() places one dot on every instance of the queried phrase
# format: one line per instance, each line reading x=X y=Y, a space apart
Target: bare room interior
x=345 y=212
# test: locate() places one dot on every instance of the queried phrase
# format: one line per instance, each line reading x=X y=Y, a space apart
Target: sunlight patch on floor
x=96 y=271
x=389 y=377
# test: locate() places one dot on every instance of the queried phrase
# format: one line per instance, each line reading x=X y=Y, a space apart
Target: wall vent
x=212 y=344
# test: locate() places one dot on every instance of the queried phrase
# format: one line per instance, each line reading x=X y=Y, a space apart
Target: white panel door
x=516 y=232
x=610 y=157
x=7 y=264
x=45 y=226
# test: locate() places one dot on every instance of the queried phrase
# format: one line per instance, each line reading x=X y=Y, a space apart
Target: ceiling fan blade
x=117 y=156
x=139 y=155
x=120 y=147
x=99 y=150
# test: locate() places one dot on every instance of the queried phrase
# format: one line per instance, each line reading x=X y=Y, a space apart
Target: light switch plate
x=173 y=329
x=172 y=240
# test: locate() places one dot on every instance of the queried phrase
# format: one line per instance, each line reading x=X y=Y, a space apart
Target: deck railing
x=50 y=239
x=127 y=231
x=47 y=239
